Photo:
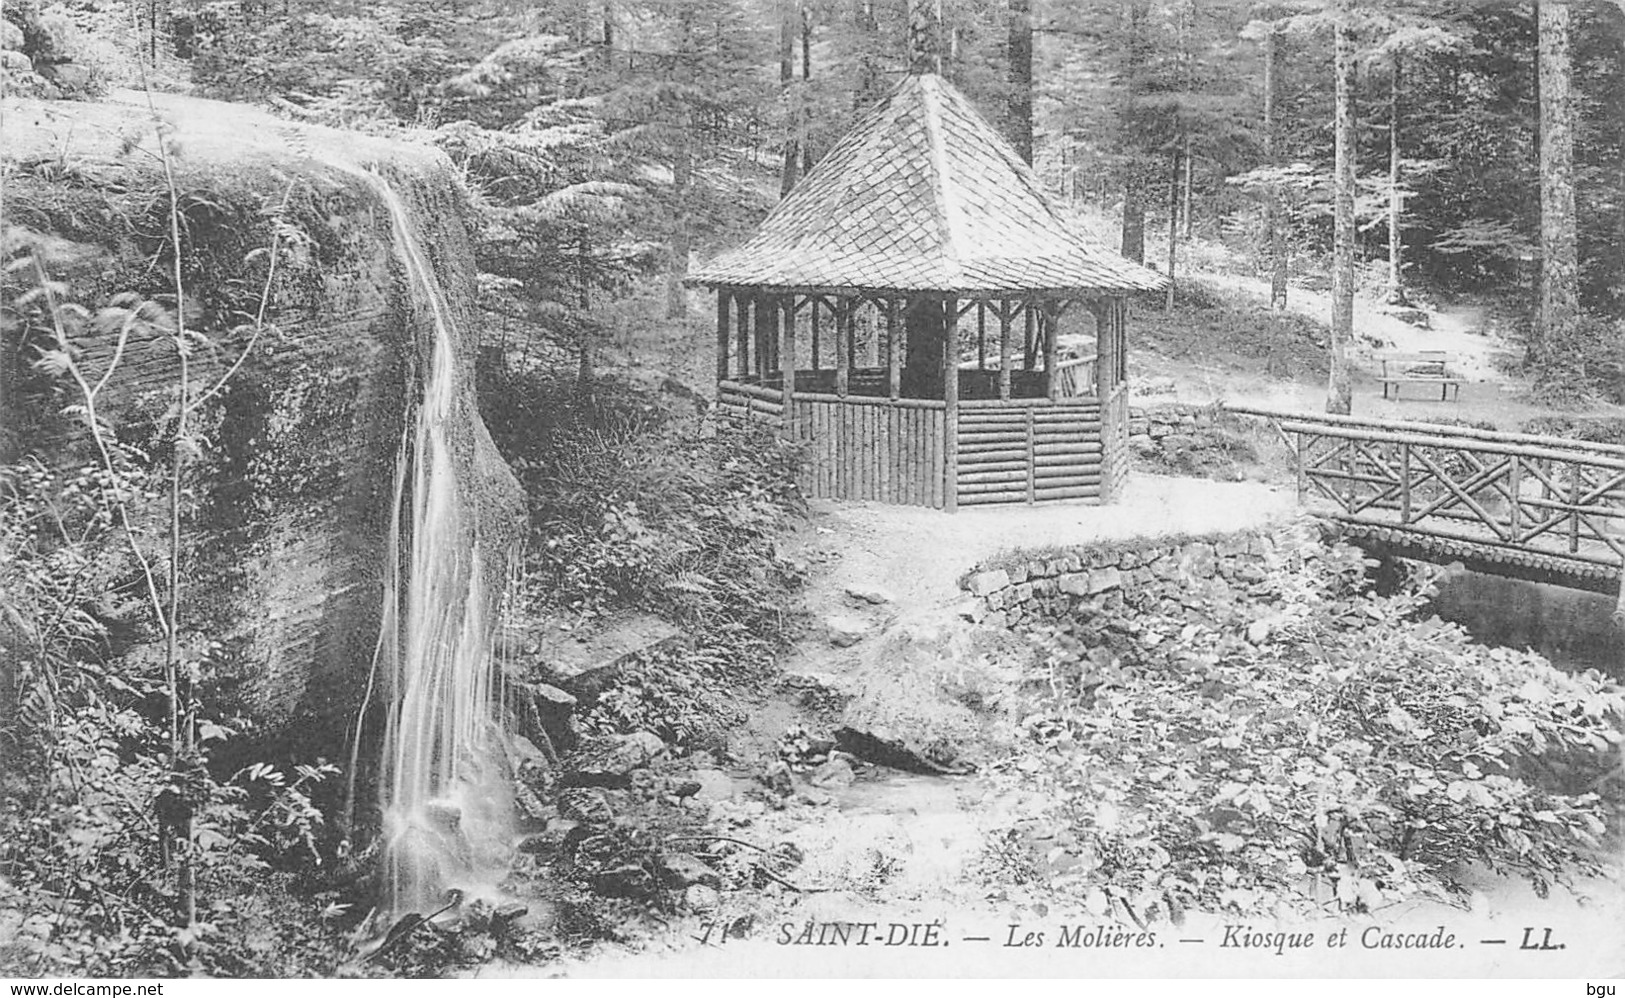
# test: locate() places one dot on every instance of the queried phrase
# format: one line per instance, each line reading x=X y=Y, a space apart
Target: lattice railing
x=1543 y=496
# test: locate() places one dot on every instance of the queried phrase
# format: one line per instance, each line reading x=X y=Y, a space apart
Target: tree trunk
x=682 y=172
x=925 y=41
x=1173 y=222
x=1272 y=204
x=1559 y=272
x=868 y=88
x=806 y=88
x=1019 y=107
x=1396 y=205
x=1187 y=30
x=1339 y=391
x=789 y=26
x=1133 y=245
x=1189 y=156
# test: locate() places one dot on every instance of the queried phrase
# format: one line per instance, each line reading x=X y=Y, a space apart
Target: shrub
x=1354 y=748
x=633 y=505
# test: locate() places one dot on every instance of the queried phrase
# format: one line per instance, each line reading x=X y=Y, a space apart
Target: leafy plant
x=1316 y=742
x=117 y=817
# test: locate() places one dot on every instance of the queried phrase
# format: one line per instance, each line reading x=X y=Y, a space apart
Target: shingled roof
x=922 y=195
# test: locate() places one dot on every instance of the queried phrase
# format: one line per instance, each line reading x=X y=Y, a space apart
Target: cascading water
x=447 y=812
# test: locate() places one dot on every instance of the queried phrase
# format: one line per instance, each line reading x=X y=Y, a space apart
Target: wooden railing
x=1530 y=500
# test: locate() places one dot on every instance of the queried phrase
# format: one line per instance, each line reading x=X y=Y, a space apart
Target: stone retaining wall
x=1005 y=591
x=1168 y=428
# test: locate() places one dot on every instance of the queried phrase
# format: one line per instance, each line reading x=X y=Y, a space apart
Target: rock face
x=285 y=545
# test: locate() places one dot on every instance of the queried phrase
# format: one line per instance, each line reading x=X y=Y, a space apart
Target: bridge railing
x=1528 y=494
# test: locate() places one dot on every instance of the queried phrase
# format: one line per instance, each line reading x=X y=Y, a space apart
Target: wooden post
x=742 y=304
x=981 y=335
x=950 y=408
x=1575 y=502
x=1029 y=348
x=1105 y=345
x=1302 y=454
x=843 y=339
x=813 y=301
x=1515 y=486
x=722 y=334
x=852 y=334
x=1004 y=350
x=1052 y=350
x=894 y=356
x=787 y=363
x=1404 y=483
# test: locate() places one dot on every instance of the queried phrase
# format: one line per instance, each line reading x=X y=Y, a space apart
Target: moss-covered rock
x=292 y=500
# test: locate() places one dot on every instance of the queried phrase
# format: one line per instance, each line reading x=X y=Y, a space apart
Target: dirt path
x=1484 y=357
x=918 y=555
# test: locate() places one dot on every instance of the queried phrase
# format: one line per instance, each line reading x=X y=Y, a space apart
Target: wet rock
x=779 y=779
x=880 y=748
x=836 y=773
x=528 y=803
x=681 y=869
x=844 y=631
x=702 y=899
x=585 y=806
x=629 y=880
x=443 y=814
x=873 y=595
x=609 y=761
x=510 y=911
x=554 y=710
x=588 y=686
x=684 y=788
x=538 y=844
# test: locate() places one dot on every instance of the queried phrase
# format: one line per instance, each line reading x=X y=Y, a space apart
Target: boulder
x=882 y=749
x=295 y=492
x=845 y=631
x=836 y=773
x=681 y=869
x=872 y=595
x=610 y=760
x=554 y=710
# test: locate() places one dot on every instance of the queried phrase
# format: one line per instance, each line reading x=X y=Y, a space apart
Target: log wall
x=900 y=451
x=1030 y=451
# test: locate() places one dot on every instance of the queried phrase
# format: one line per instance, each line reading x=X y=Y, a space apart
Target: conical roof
x=922 y=195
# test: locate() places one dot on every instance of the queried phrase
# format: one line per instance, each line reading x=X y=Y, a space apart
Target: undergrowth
x=638 y=502
x=1309 y=743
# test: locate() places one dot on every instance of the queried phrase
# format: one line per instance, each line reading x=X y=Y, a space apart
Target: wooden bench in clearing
x=1429 y=367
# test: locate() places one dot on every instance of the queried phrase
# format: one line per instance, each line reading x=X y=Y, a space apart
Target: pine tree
x=1339 y=390
x=1559 y=270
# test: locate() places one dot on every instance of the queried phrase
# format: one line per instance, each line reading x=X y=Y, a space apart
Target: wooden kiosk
x=917 y=311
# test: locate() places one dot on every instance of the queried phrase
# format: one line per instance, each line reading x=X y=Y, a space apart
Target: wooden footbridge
x=1542 y=508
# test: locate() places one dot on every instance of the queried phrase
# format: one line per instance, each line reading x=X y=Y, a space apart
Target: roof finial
x=924 y=37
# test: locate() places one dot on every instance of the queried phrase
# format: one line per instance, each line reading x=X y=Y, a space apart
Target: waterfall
x=447 y=810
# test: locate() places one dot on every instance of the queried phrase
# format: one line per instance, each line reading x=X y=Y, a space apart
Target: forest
x=241 y=238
